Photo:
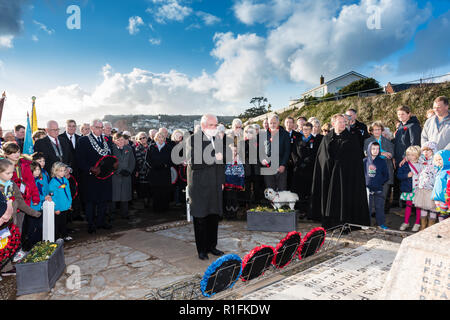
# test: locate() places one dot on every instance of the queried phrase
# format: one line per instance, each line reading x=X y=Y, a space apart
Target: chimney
x=322 y=80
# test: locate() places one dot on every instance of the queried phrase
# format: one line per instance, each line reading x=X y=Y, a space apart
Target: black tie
x=100 y=141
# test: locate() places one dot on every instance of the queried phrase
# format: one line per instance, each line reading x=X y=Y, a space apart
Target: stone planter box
x=40 y=276
x=272 y=221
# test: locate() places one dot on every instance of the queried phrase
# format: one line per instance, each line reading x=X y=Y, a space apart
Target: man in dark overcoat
x=54 y=148
x=205 y=178
x=98 y=193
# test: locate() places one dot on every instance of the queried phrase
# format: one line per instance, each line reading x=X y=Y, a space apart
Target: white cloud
x=43 y=27
x=170 y=10
x=6 y=41
x=155 y=42
x=208 y=18
x=327 y=38
x=244 y=71
x=133 y=24
x=34 y=38
x=271 y=12
x=137 y=92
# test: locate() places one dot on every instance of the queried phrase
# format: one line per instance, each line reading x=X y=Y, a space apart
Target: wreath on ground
x=221 y=275
x=9 y=245
x=256 y=262
x=312 y=242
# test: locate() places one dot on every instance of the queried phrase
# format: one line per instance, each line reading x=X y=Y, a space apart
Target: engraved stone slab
x=421 y=270
x=356 y=275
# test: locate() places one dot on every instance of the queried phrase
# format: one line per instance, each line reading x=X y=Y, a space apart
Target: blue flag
x=28 y=143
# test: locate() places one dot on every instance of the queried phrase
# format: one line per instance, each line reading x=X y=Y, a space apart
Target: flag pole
x=2 y=102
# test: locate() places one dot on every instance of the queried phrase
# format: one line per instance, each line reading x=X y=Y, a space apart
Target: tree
x=361 y=85
x=258 y=101
x=259 y=108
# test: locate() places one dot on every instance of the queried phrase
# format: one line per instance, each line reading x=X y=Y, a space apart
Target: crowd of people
x=342 y=172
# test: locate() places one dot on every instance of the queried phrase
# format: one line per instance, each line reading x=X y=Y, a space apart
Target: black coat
x=359 y=129
x=44 y=145
x=293 y=138
x=159 y=163
x=339 y=190
x=94 y=188
x=304 y=157
x=63 y=137
x=204 y=180
x=284 y=146
x=407 y=135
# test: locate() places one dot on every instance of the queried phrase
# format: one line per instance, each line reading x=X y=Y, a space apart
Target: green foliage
x=42 y=251
x=381 y=107
x=259 y=108
x=270 y=209
x=253 y=112
x=361 y=85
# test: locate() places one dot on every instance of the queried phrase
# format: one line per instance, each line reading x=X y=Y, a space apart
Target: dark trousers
x=376 y=201
x=123 y=208
x=205 y=230
x=60 y=225
x=161 y=198
x=93 y=208
x=34 y=231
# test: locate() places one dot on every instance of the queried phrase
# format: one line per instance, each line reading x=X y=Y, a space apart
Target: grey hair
x=270 y=117
x=93 y=122
x=205 y=118
x=50 y=122
x=236 y=122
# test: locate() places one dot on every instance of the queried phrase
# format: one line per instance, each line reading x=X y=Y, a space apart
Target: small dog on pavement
x=281 y=198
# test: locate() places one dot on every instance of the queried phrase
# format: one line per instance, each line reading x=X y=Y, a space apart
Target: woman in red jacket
x=22 y=176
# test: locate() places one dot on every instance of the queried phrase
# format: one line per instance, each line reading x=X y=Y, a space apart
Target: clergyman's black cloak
x=339 y=190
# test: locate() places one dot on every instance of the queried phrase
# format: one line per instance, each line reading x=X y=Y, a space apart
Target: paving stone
x=94 y=265
x=98 y=281
x=140 y=264
x=136 y=257
x=102 y=295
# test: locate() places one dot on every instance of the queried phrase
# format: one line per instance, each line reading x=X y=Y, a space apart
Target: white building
x=334 y=85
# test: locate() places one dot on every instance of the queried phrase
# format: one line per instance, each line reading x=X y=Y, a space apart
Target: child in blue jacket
x=377 y=174
x=34 y=229
x=60 y=191
x=440 y=193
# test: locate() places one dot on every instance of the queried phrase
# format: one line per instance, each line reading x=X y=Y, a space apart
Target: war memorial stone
x=421 y=270
x=356 y=275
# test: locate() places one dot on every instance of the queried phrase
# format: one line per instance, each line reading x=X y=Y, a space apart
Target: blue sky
x=192 y=56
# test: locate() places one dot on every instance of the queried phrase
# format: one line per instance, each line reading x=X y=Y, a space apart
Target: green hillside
x=381 y=107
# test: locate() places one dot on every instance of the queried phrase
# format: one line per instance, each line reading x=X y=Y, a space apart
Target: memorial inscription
x=421 y=270
x=355 y=275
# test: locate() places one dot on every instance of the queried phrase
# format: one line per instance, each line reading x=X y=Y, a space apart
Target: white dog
x=281 y=198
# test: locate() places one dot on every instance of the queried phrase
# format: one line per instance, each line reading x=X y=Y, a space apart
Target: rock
x=421 y=270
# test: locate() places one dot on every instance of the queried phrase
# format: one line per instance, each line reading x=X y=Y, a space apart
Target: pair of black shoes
x=204 y=255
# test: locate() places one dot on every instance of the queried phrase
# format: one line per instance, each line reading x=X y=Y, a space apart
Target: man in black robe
x=339 y=188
